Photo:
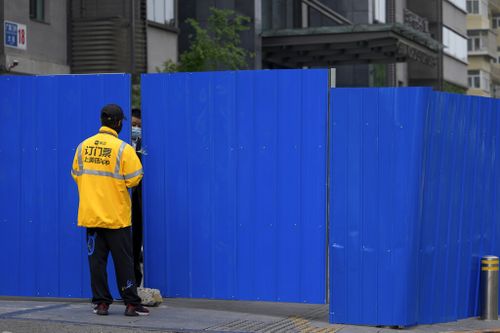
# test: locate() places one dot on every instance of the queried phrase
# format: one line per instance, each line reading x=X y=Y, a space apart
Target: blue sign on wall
x=10 y=34
x=15 y=35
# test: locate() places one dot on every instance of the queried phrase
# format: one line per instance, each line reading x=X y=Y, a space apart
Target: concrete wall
x=492 y=43
x=162 y=46
x=455 y=71
x=401 y=77
x=477 y=22
x=479 y=62
x=47 y=48
x=421 y=74
x=454 y=18
x=100 y=8
x=402 y=74
x=400 y=5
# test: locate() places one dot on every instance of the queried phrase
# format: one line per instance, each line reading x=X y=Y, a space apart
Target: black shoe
x=101 y=309
x=136 y=310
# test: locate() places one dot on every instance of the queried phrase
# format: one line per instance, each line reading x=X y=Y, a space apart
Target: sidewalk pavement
x=189 y=315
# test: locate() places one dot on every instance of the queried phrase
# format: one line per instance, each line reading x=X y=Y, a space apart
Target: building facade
x=483 y=24
x=369 y=42
x=35 y=37
x=162 y=30
x=447 y=24
x=87 y=36
x=132 y=36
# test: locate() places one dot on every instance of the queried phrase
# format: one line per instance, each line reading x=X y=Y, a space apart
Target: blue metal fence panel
x=413 y=202
x=43 y=120
x=459 y=221
x=376 y=158
x=235 y=191
x=235 y=185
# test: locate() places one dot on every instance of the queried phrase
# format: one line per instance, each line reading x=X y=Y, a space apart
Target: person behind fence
x=104 y=168
x=137 y=199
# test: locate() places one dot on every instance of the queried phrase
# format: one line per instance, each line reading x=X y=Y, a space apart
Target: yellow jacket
x=103 y=168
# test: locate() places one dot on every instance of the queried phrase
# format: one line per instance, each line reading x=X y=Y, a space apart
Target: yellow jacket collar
x=107 y=130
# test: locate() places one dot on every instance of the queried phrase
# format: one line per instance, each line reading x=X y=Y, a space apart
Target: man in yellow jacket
x=104 y=168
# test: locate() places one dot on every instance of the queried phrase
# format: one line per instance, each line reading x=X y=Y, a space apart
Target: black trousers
x=100 y=242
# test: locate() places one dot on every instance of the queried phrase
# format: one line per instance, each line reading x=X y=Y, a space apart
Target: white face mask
x=136 y=132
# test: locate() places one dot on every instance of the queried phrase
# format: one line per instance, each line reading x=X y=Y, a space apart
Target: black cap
x=136 y=113
x=112 y=111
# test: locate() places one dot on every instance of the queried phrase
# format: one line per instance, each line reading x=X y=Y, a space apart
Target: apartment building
x=87 y=36
x=369 y=42
x=35 y=37
x=483 y=24
x=447 y=25
x=132 y=36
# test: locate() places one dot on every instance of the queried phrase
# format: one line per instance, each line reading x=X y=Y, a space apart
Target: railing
x=416 y=22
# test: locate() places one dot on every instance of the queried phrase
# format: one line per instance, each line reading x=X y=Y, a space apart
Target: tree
x=215 y=48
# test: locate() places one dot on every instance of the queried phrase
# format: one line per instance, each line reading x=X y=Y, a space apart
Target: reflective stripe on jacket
x=104 y=167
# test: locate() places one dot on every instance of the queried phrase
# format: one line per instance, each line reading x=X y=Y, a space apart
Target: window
x=474 y=79
x=459 y=3
x=37 y=10
x=161 y=11
x=379 y=11
x=478 y=41
x=479 y=80
x=472 y=7
x=455 y=45
x=495 y=21
x=479 y=7
x=474 y=44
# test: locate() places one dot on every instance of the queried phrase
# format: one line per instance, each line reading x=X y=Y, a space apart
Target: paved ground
x=181 y=315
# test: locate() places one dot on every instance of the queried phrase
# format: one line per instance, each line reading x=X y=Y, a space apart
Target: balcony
x=416 y=22
x=478 y=22
x=347 y=45
x=482 y=43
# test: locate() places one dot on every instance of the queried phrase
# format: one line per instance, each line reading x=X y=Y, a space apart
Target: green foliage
x=136 y=96
x=168 y=67
x=215 y=48
x=136 y=91
x=452 y=88
x=379 y=75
